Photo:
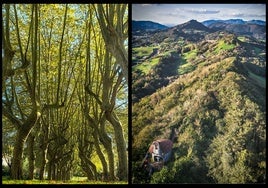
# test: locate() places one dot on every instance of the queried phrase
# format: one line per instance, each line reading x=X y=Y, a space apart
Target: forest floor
x=79 y=180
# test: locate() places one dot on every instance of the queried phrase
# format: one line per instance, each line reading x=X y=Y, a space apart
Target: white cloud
x=203 y=11
x=146 y=5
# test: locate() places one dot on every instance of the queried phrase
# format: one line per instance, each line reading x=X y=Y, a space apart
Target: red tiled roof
x=165 y=145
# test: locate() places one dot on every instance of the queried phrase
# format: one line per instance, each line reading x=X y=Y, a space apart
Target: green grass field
x=185 y=65
x=223 y=46
x=190 y=55
x=142 y=51
x=75 y=180
x=146 y=66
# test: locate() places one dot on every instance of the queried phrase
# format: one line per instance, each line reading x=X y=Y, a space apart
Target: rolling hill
x=211 y=86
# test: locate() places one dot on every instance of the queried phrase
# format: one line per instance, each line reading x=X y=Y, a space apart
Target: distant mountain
x=234 y=21
x=247 y=29
x=258 y=22
x=252 y=28
x=146 y=26
x=194 y=25
x=192 y=30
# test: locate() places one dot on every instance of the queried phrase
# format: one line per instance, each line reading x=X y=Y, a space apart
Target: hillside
x=212 y=87
x=146 y=26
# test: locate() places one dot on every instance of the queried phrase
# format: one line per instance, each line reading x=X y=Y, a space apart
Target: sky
x=174 y=14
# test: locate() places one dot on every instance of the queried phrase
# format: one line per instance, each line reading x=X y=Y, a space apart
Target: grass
x=140 y=52
x=75 y=180
x=202 y=64
x=223 y=46
x=190 y=55
x=138 y=55
x=261 y=81
x=185 y=65
x=146 y=66
x=186 y=68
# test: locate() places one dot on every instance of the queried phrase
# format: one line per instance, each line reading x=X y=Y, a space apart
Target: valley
x=210 y=84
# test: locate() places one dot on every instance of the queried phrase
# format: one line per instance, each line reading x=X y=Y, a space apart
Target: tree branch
x=90 y=92
x=11 y=117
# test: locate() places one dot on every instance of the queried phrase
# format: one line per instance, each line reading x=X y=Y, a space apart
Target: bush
x=5 y=171
x=163 y=176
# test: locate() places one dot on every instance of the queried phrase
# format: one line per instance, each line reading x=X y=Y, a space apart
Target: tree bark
x=88 y=167
x=120 y=143
x=113 y=34
x=31 y=156
x=107 y=143
x=22 y=134
x=100 y=155
x=43 y=147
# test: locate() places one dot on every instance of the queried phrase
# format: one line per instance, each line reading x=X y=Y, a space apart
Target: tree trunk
x=22 y=134
x=16 y=163
x=49 y=171
x=88 y=167
x=107 y=143
x=44 y=148
x=114 y=37
x=31 y=156
x=101 y=156
x=43 y=162
x=53 y=171
x=121 y=145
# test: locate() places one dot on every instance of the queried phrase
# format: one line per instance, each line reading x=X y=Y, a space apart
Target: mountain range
x=252 y=28
x=234 y=21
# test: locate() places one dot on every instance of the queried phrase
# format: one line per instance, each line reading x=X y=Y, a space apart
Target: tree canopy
x=65 y=90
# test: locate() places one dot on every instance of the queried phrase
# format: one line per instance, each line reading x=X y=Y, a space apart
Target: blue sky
x=174 y=14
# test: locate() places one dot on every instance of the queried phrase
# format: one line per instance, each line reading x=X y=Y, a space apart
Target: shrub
x=5 y=171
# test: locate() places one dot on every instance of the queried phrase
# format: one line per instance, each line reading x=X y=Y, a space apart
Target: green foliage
x=140 y=175
x=218 y=109
x=186 y=68
x=164 y=176
x=54 y=47
x=6 y=171
x=215 y=99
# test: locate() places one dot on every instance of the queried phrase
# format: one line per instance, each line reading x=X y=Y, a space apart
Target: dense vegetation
x=64 y=92
x=217 y=101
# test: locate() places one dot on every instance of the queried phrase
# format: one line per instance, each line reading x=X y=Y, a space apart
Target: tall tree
x=114 y=28
x=26 y=120
x=54 y=62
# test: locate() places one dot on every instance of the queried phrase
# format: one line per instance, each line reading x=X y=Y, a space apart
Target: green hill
x=215 y=99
